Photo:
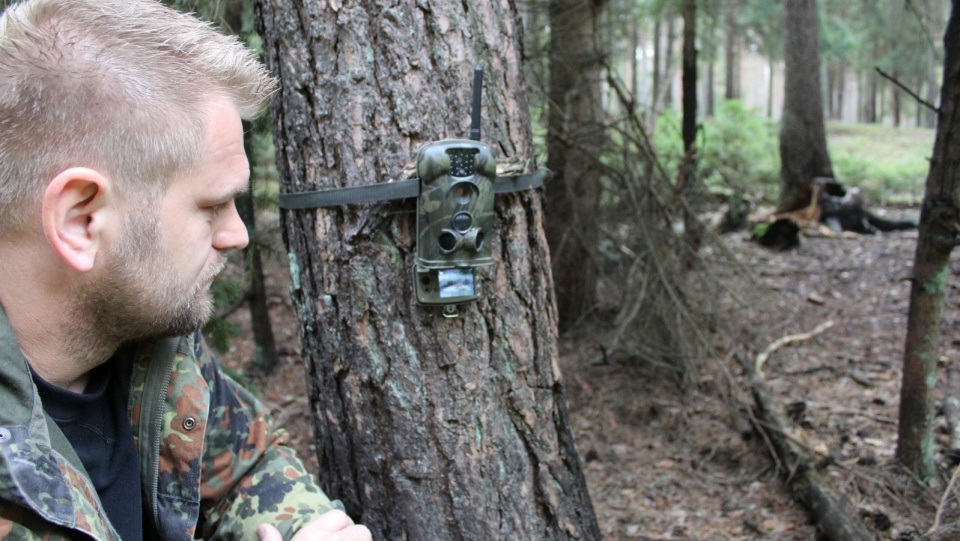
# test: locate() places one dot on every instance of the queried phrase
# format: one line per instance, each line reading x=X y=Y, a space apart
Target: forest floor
x=664 y=463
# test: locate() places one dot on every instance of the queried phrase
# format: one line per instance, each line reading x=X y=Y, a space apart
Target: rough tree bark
x=803 y=137
x=574 y=144
x=938 y=234
x=427 y=428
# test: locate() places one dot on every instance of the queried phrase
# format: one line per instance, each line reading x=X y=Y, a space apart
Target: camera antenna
x=477 y=91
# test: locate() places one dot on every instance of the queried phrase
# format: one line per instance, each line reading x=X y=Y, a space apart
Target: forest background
x=636 y=299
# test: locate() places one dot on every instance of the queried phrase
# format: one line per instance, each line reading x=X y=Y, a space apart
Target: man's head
x=118 y=86
x=121 y=149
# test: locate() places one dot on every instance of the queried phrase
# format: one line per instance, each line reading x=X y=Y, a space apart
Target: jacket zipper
x=163 y=356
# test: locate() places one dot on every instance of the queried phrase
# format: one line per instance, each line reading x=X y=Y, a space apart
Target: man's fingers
x=330 y=526
x=331 y=521
x=267 y=532
x=358 y=532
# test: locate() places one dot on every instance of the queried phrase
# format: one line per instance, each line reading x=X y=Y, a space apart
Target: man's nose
x=232 y=232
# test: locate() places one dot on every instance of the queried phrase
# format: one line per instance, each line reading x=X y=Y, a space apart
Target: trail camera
x=456 y=184
x=454 y=219
x=454 y=215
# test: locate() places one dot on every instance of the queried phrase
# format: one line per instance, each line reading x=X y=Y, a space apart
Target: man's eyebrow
x=235 y=193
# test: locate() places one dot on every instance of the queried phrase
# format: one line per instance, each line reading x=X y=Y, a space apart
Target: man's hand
x=331 y=526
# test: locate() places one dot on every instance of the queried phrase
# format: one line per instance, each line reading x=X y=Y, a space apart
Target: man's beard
x=137 y=296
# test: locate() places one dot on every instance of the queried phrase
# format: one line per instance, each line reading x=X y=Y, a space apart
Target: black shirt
x=96 y=424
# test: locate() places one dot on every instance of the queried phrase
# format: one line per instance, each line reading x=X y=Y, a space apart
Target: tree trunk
x=657 y=61
x=871 y=116
x=633 y=45
x=939 y=223
x=803 y=138
x=732 y=53
x=691 y=189
x=841 y=88
x=930 y=116
x=574 y=144
x=895 y=99
x=427 y=427
x=265 y=348
x=663 y=91
x=689 y=123
x=771 y=86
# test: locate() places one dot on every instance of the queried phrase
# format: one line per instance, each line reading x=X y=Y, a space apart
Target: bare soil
x=686 y=464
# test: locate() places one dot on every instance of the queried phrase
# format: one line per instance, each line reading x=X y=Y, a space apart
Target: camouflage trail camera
x=454 y=219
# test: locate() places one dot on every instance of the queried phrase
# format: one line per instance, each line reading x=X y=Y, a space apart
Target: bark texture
x=938 y=234
x=803 y=137
x=427 y=428
x=574 y=144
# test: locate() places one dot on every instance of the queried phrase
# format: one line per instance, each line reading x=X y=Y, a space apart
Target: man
x=121 y=152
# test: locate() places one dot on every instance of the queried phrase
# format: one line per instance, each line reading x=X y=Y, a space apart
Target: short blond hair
x=115 y=85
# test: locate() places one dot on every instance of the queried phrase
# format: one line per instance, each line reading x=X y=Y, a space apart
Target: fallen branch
x=834 y=515
x=787 y=340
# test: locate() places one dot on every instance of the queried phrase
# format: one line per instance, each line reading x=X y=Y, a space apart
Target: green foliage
x=889 y=165
x=739 y=155
x=738 y=151
x=762 y=24
x=226 y=293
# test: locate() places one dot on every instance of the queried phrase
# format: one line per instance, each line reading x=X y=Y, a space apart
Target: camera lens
x=448 y=241
x=463 y=192
x=462 y=221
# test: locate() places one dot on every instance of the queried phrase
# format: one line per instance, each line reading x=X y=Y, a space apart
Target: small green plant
x=737 y=151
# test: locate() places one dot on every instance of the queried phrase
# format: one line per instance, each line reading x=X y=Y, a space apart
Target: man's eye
x=215 y=209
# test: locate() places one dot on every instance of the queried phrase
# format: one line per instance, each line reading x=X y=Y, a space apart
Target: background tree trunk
x=427 y=428
x=691 y=186
x=939 y=223
x=575 y=140
x=803 y=138
x=731 y=52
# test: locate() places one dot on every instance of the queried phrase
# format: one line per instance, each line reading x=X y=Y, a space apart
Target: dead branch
x=943 y=501
x=907 y=90
x=834 y=515
x=787 y=340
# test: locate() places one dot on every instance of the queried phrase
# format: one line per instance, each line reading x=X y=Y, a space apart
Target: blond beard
x=136 y=295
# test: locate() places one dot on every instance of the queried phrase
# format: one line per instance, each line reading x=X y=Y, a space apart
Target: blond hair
x=119 y=86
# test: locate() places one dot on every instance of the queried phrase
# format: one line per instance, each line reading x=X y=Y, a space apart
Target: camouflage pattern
x=212 y=462
x=437 y=163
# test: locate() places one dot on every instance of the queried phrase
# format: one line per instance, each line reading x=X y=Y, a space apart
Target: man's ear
x=74 y=212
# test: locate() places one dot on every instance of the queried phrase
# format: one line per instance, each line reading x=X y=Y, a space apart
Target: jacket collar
x=19 y=402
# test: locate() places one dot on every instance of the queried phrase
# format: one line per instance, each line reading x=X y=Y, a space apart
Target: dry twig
x=787 y=340
x=943 y=501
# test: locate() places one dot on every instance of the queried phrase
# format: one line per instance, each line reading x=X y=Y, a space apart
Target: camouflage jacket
x=212 y=465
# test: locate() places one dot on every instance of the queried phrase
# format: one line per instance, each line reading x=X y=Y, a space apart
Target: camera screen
x=455 y=283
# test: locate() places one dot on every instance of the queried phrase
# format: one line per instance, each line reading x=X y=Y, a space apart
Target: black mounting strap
x=404 y=189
